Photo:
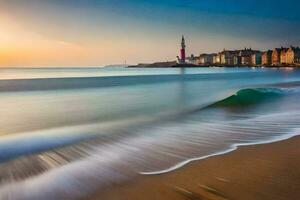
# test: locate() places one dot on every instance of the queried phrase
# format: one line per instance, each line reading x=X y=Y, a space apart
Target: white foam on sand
x=232 y=148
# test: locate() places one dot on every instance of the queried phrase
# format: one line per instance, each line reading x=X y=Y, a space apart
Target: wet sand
x=267 y=171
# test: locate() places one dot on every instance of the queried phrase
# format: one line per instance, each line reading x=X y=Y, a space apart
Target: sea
x=68 y=132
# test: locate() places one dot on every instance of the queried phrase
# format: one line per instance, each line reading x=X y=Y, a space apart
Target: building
x=227 y=57
x=182 y=58
x=238 y=57
x=206 y=59
x=276 y=57
x=256 y=59
x=237 y=60
x=266 y=58
x=283 y=55
x=293 y=55
x=224 y=57
x=246 y=56
x=216 y=59
x=246 y=60
x=192 y=60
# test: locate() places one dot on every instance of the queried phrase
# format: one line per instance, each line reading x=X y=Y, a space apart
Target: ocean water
x=65 y=133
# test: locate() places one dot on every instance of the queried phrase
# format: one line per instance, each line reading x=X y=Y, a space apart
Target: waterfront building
x=276 y=57
x=283 y=55
x=293 y=55
x=216 y=59
x=256 y=59
x=227 y=57
x=266 y=58
x=192 y=59
x=206 y=59
x=246 y=56
x=237 y=60
x=224 y=57
x=198 y=61
x=246 y=60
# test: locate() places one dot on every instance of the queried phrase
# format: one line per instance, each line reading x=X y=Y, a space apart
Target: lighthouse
x=182 y=51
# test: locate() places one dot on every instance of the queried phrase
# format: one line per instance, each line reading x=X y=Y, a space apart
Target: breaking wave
x=252 y=96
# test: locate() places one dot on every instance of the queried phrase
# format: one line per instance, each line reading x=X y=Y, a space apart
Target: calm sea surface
x=66 y=132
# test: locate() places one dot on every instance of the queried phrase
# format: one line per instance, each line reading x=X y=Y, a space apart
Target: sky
x=56 y=33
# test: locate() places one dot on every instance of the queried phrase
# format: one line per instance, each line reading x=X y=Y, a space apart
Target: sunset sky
x=57 y=33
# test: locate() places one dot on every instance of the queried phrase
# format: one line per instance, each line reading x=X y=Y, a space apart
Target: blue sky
x=109 y=31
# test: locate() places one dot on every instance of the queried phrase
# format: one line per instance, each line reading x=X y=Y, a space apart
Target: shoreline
x=232 y=148
x=190 y=65
x=195 y=177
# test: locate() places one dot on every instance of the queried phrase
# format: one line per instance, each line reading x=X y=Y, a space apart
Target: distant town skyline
x=58 y=33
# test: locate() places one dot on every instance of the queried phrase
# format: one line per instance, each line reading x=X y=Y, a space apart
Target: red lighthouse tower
x=182 y=51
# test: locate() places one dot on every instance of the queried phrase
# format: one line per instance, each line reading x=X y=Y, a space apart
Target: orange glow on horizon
x=23 y=47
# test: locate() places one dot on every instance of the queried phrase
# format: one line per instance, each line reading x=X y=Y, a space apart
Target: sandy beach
x=267 y=171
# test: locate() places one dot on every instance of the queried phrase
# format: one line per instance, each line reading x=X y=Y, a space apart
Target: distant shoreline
x=188 y=65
